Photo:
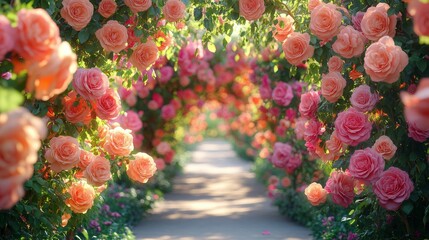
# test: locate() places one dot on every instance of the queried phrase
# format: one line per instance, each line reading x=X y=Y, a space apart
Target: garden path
x=217 y=197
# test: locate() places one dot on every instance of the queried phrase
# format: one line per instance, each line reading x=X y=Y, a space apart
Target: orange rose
x=315 y=193
x=251 y=9
x=141 y=168
x=85 y=158
x=144 y=55
x=297 y=48
x=284 y=27
x=119 y=142
x=333 y=85
x=107 y=8
x=98 y=171
x=65 y=219
x=81 y=197
x=174 y=10
x=112 y=36
x=77 y=13
x=419 y=10
x=325 y=21
x=385 y=147
x=163 y=40
x=376 y=23
x=384 y=61
x=64 y=153
x=37 y=35
x=138 y=5
x=350 y=43
x=76 y=109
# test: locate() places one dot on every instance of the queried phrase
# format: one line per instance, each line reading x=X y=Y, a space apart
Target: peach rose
x=333 y=85
x=7 y=37
x=138 y=5
x=85 y=158
x=37 y=35
x=141 y=168
x=340 y=186
x=366 y=165
x=144 y=55
x=284 y=27
x=350 y=43
x=109 y=105
x=91 y=83
x=315 y=193
x=107 y=8
x=77 y=13
x=325 y=21
x=113 y=36
x=335 y=64
x=416 y=108
x=119 y=142
x=174 y=10
x=297 y=48
x=309 y=104
x=81 y=197
x=384 y=146
x=419 y=10
x=352 y=127
x=335 y=146
x=384 y=61
x=98 y=171
x=312 y=4
x=76 y=109
x=64 y=153
x=363 y=99
x=251 y=9
x=376 y=23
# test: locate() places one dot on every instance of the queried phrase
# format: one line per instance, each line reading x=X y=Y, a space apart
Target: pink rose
x=131 y=120
x=118 y=142
x=107 y=8
x=138 y=5
x=144 y=55
x=113 y=36
x=251 y=9
x=366 y=165
x=341 y=188
x=297 y=48
x=293 y=163
x=300 y=127
x=418 y=10
x=350 y=42
x=384 y=146
x=312 y=4
x=141 y=168
x=64 y=153
x=282 y=154
x=393 y=187
x=335 y=146
x=282 y=94
x=76 y=109
x=77 y=13
x=166 y=73
x=163 y=148
x=309 y=104
x=98 y=171
x=265 y=88
x=333 y=85
x=384 y=61
x=7 y=37
x=357 y=19
x=168 y=112
x=174 y=10
x=376 y=23
x=85 y=159
x=283 y=28
x=109 y=105
x=160 y=164
x=325 y=21
x=91 y=83
x=335 y=64
x=313 y=128
x=352 y=127
x=416 y=108
x=363 y=99
x=417 y=132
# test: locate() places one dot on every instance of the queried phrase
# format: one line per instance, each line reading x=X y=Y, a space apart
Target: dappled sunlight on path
x=217 y=197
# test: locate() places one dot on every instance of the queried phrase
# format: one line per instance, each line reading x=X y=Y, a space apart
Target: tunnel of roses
x=100 y=99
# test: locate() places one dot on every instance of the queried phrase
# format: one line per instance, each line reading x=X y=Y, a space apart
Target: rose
x=325 y=21
x=418 y=9
x=392 y=188
x=341 y=188
x=293 y=163
x=283 y=28
x=144 y=55
x=282 y=94
x=168 y=112
x=251 y=9
x=109 y=105
x=98 y=171
x=297 y=48
x=91 y=83
x=37 y=35
x=309 y=104
x=366 y=165
x=352 y=127
x=385 y=147
x=85 y=158
x=416 y=108
x=362 y=99
x=286 y=182
x=81 y=197
x=315 y=193
x=107 y=8
x=63 y=154
x=300 y=127
x=138 y=5
x=313 y=128
x=131 y=120
x=265 y=88
x=332 y=86
x=335 y=146
x=417 y=132
x=335 y=64
x=281 y=155
x=141 y=168
x=357 y=19
x=163 y=39
x=76 y=110
x=51 y=77
x=312 y=4
x=350 y=43
x=163 y=148
x=77 y=13
x=113 y=36
x=166 y=73
x=384 y=61
x=376 y=22
x=7 y=37
x=174 y=10
x=119 y=142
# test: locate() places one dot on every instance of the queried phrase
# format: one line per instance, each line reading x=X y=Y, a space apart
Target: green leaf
x=421 y=65
x=10 y=99
x=211 y=47
x=407 y=207
x=198 y=14
x=83 y=35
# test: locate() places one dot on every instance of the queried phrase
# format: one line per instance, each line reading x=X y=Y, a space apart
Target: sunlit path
x=217 y=197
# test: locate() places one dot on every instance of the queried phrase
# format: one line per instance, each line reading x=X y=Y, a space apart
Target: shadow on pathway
x=217 y=197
